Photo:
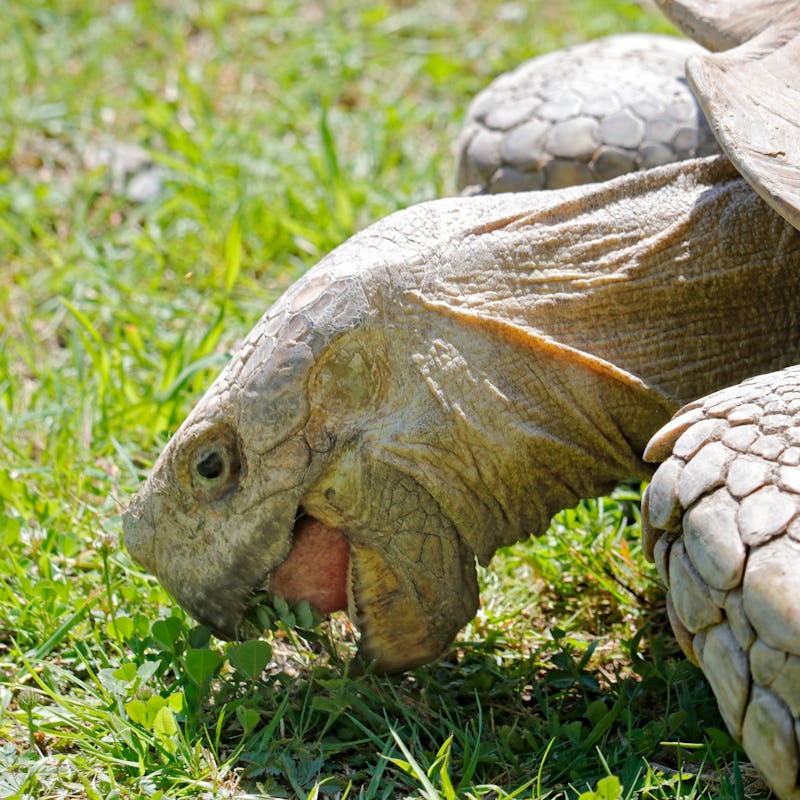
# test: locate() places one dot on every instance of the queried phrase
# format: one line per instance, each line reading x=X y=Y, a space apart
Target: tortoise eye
x=215 y=464
x=211 y=466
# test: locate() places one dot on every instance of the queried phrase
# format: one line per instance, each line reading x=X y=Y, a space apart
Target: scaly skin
x=590 y=112
x=721 y=519
x=721 y=515
x=445 y=381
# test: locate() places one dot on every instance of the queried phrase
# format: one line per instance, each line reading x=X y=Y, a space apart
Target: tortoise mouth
x=386 y=605
x=331 y=574
x=316 y=569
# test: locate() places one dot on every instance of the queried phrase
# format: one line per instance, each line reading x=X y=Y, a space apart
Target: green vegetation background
x=275 y=130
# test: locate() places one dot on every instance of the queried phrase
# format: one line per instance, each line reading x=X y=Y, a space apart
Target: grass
x=277 y=130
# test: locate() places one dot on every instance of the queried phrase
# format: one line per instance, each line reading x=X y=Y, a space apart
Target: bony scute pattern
x=589 y=113
x=722 y=523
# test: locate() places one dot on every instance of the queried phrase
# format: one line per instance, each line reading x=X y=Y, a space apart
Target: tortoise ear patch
x=345 y=384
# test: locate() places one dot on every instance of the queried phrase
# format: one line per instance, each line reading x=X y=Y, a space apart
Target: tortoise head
x=217 y=512
x=280 y=437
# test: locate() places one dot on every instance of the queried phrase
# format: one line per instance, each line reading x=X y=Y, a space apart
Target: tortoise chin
x=391 y=610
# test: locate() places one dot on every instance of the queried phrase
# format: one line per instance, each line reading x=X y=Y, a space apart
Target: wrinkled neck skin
x=447 y=380
x=522 y=359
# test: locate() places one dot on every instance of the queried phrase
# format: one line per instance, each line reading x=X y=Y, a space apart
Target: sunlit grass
x=276 y=130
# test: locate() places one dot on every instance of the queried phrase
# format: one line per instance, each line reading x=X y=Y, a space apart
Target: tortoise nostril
x=139 y=532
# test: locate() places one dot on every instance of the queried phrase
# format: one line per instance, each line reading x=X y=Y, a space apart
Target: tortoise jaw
x=332 y=574
x=396 y=634
x=315 y=569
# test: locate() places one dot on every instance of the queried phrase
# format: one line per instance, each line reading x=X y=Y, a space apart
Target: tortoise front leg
x=722 y=523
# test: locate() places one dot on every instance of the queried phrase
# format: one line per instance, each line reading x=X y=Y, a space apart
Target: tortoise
x=446 y=380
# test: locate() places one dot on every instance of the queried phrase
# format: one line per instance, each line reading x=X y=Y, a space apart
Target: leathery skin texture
x=421 y=390
x=446 y=380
